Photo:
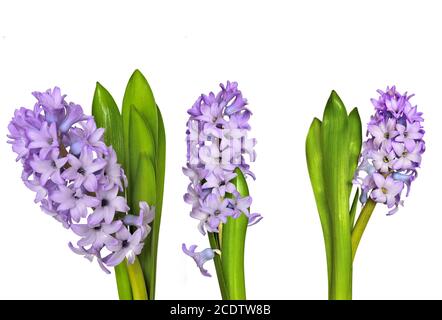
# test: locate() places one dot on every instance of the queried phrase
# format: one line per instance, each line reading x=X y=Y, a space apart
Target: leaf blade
x=354 y=206
x=160 y=170
x=144 y=190
x=355 y=142
x=139 y=94
x=334 y=135
x=140 y=141
x=315 y=168
x=107 y=116
x=233 y=245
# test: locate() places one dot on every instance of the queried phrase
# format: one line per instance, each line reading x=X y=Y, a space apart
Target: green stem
x=214 y=244
x=123 y=282
x=137 y=280
x=360 y=225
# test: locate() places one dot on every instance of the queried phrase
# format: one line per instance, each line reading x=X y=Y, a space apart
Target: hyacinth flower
x=217 y=149
x=385 y=168
x=78 y=167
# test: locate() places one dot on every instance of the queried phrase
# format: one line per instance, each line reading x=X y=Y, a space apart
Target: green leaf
x=354 y=206
x=355 y=142
x=107 y=116
x=315 y=168
x=233 y=243
x=123 y=282
x=138 y=93
x=335 y=148
x=125 y=116
x=144 y=190
x=159 y=173
x=144 y=182
x=139 y=291
x=160 y=161
x=144 y=135
x=141 y=141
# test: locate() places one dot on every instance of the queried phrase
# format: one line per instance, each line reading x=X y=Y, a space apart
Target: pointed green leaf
x=139 y=94
x=139 y=291
x=107 y=116
x=355 y=142
x=315 y=168
x=159 y=173
x=141 y=141
x=354 y=206
x=125 y=116
x=233 y=243
x=123 y=282
x=144 y=182
x=160 y=164
x=144 y=190
x=335 y=142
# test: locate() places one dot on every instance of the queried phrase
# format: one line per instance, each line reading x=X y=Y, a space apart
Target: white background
x=287 y=56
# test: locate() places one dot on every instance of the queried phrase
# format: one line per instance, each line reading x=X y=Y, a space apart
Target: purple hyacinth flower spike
x=393 y=151
x=217 y=145
x=77 y=178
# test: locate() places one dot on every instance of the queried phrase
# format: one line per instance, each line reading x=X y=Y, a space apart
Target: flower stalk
x=360 y=225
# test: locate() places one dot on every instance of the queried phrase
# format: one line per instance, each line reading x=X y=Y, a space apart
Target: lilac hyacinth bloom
x=74 y=200
x=49 y=166
x=45 y=139
x=217 y=144
x=201 y=257
x=77 y=178
x=113 y=172
x=393 y=151
x=98 y=236
x=82 y=170
x=88 y=135
x=109 y=204
x=129 y=247
x=142 y=221
x=53 y=104
x=74 y=114
x=216 y=209
x=386 y=189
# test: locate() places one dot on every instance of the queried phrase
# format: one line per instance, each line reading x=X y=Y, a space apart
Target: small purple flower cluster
x=77 y=178
x=216 y=145
x=393 y=151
